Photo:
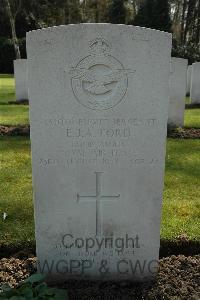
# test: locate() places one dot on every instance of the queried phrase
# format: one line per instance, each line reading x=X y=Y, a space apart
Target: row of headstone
x=195 y=83
x=20 y=74
x=189 y=73
x=178 y=78
x=184 y=80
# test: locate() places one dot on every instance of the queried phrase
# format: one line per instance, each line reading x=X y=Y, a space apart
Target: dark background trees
x=116 y=12
x=154 y=14
x=181 y=17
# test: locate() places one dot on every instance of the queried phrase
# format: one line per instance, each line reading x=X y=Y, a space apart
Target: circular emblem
x=99 y=81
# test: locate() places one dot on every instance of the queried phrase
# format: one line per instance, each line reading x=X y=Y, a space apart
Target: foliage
x=190 y=51
x=186 y=21
x=7 y=54
x=154 y=14
x=180 y=17
x=117 y=12
x=33 y=287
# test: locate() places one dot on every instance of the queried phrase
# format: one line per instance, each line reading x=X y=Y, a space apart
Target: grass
x=14 y=114
x=16 y=191
x=192 y=118
x=187 y=100
x=7 y=88
x=11 y=114
x=181 y=205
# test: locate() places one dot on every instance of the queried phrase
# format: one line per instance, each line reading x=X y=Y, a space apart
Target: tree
x=12 y=19
x=144 y=15
x=71 y=11
x=94 y=10
x=161 y=18
x=154 y=14
x=117 y=12
x=186 y=21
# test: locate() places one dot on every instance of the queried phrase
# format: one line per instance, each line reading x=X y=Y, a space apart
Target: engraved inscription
x=98 y=198
x=99 y=81
x=99 y=140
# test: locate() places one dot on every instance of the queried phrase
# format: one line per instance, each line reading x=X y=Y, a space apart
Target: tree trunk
x=190 y=21
x=197 y=38
x=12 y=24
x=176 y=21
x=134 y=8
x=184 y=6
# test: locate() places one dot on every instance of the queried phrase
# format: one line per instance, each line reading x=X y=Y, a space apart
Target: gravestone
x=178 y=79
x=189 y=73
x=98 y=113
x=20 y=72
x=195 y=83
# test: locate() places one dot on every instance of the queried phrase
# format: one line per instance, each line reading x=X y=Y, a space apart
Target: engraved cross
x=98 y=198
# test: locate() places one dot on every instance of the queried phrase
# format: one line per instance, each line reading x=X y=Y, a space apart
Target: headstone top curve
x=70 y=26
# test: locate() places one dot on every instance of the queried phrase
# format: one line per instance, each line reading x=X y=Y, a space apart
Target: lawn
x=7 y=88
x=181 y=198
x=181 y=206
x=192 y=118
x=14 y=114
x=187 y=100
x=16 y=191
x=10 y=114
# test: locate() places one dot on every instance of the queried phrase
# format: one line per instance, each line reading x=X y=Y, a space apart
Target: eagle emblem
x=99 y=81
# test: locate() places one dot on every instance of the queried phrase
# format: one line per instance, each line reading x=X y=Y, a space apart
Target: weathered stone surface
x=99 y=98
x=20 y=72
x=195 y=83
x=189 y=73
x=177 y=91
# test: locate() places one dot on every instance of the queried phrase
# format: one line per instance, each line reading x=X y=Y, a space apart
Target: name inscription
x=98 y=140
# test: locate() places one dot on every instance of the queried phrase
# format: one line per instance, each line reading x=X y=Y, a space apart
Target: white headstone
x=177 y=91
x=195 y=83
x=20 y=72
x=98 y=107
x=189 y=73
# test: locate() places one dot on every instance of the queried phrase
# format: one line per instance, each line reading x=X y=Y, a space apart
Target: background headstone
x=20 y=73
x=99 y=99
x=195 y=83
x=189 y=73
x=178 y=79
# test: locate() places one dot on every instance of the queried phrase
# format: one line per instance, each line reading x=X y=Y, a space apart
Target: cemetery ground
x=181 y=207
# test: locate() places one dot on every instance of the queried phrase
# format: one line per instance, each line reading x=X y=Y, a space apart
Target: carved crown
x=99 y=46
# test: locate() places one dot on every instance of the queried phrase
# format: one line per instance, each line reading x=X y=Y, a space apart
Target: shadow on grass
x=6 y=75
x=15 y=143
